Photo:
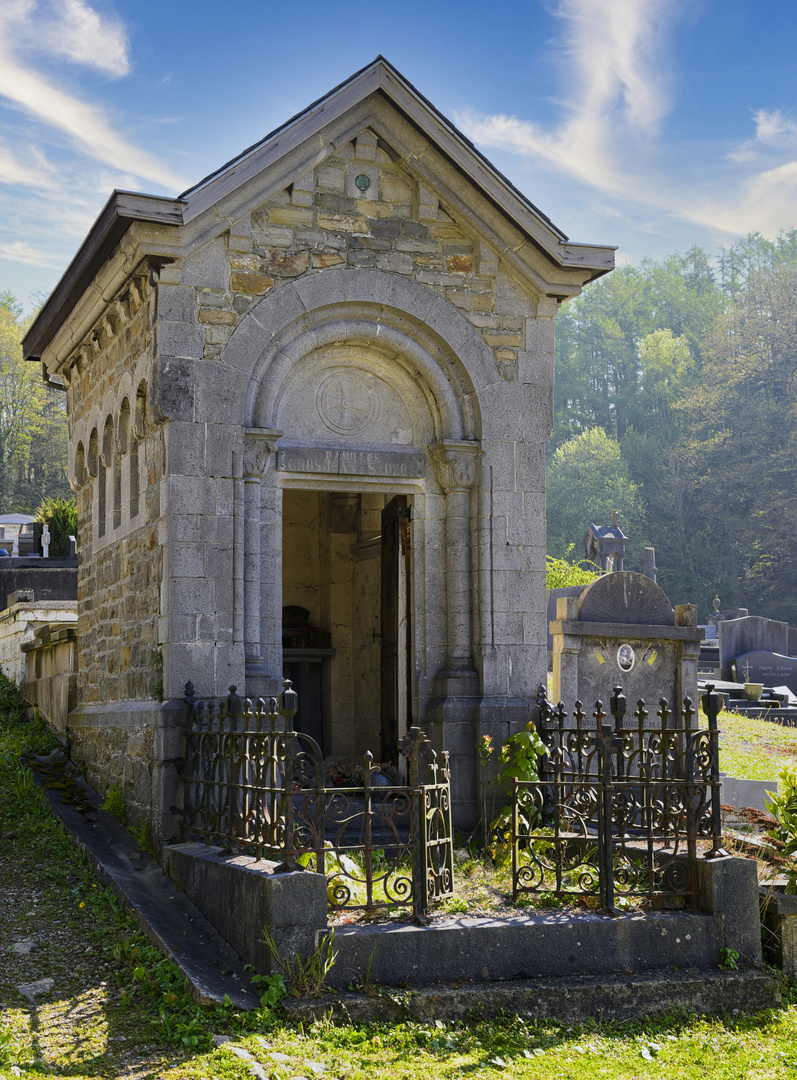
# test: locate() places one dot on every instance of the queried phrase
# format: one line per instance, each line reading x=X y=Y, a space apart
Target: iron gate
x=254 y=784
x=619 y=810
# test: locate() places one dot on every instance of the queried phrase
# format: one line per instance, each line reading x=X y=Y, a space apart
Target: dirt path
x=64 y=1012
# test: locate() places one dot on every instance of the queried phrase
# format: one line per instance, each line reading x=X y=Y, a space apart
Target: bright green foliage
x=692 y=372
x=275 y=990
x=520 y=754
x=115 y=802
x=588 y=479
x=783 y=805
x=306 y=977
x=33 y=437
x=61 y=517
x=559 y=573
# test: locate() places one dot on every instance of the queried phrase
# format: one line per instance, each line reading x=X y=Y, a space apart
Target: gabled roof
x=124 y=208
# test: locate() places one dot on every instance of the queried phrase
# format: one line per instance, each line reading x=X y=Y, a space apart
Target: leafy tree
x=33 y=430
x=560 y=573
x=61 y=517
x=742 y=424
x=587 y=479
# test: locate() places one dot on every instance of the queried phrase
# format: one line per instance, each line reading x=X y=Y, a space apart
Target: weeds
x=142 y=835
x=114 y=802
x=305 y=978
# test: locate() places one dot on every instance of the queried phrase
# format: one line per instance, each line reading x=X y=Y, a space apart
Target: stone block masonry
x=356 y=306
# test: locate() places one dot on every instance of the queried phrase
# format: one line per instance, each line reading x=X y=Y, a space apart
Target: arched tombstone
x=623 y=630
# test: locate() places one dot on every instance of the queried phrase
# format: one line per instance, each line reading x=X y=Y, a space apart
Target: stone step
x=569 y=998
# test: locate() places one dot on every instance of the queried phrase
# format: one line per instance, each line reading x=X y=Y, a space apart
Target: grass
x=118 y=1008
x=754 y=749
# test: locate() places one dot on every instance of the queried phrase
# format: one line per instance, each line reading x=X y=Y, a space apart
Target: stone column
x=457 y=466
x=451 y=720
x=257 y=448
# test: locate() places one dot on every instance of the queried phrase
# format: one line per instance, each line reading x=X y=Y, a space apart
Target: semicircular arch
x=429 y=344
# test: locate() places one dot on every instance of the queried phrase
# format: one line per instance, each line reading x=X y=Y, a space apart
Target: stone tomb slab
x=768 y=668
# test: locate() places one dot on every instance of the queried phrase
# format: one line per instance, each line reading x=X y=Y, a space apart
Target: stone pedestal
x=622 y=631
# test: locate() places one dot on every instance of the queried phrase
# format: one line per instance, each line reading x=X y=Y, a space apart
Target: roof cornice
x=118 y=214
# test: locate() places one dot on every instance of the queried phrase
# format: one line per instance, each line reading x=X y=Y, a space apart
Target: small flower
x=485 y=748
x=81 y=904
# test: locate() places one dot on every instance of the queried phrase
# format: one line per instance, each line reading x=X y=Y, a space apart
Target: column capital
x=457 y=464
x=259 y=445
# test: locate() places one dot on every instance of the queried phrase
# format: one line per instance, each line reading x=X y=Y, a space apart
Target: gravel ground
x=48 y=931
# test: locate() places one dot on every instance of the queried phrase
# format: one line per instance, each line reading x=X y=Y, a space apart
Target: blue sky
x=650 y=124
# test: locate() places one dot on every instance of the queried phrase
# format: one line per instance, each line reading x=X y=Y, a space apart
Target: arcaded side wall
x=117 y=465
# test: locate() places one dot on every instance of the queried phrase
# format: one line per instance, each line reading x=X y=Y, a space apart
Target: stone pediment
x=400 y=135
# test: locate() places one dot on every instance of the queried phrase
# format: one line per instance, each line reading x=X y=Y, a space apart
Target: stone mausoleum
x=308 y=402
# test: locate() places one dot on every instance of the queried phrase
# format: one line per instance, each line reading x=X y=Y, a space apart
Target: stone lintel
x=354 y=462
x=638 y=631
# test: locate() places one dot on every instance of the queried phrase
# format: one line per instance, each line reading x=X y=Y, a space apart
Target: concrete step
x=569 y=998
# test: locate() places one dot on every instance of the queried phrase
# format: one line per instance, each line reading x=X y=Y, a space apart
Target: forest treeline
x=33 y=446
x=676 y=404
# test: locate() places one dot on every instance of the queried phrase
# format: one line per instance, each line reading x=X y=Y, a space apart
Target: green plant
x=560 y=573
x=60 y=515
x=114 y=802
x=142 y=834
x=275 y=991
x=305 y=978
x=783 y=805
x=729 y=959
x=519 y=758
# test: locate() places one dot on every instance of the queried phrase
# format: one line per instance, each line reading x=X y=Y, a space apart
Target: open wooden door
x=395 y=607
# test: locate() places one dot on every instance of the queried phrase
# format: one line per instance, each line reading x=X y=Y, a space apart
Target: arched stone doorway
x=352 y=407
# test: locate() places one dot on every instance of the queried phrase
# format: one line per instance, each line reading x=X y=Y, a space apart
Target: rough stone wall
x=121 y=753
x=120 y=559
x=394 y=224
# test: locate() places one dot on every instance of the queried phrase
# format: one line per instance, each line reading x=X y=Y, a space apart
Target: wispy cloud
x=22 y=252
x=74 y=31
x=610 y=139
x=35 y=173
x=617 y=88
x=78 y=33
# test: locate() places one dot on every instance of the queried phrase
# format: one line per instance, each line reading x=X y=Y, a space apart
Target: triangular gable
x=380 y=76
x=279 y=159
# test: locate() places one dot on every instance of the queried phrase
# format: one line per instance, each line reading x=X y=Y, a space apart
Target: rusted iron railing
x=621 y=806
x=254 y=784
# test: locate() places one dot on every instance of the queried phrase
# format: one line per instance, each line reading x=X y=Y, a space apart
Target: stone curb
x=211 y=967
x=573 y=999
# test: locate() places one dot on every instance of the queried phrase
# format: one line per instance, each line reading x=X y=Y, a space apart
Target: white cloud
x=80 y=34
x=617 y=89
x=22 y=252
x=36 y=173
x=616 y=74
x=775 y=128
x=84 y=37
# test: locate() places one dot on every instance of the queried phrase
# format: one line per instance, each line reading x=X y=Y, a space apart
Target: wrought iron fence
x=620 y=807
x=254 y=784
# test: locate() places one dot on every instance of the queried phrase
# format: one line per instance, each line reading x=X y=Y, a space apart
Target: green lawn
x=754 y=749
x=118 y=1009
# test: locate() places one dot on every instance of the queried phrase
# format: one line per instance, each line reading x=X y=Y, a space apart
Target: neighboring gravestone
x=768 y=668
x=749 y=634
x=623 y=630
x=606 y=544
